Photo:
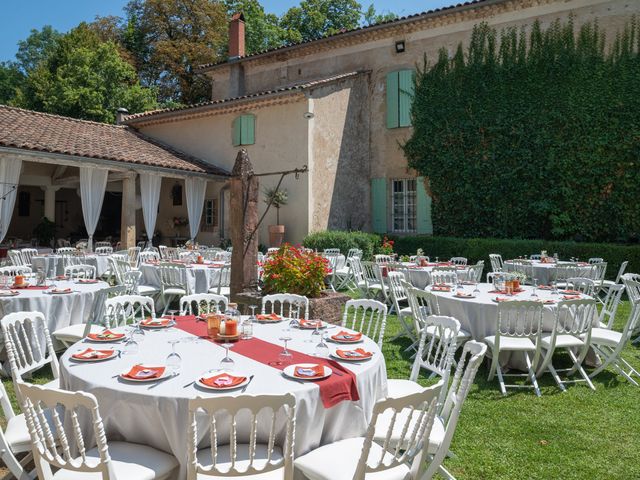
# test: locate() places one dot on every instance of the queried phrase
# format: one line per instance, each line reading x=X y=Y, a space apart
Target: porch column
x=128 y=218
x=50 y=202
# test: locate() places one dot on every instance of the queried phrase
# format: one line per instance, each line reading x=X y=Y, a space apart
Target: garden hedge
x=369 y=243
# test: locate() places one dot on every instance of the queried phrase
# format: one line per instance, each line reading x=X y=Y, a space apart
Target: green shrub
x=479 y=249
x=369 y=243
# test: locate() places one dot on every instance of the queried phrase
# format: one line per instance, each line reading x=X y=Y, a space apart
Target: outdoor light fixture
x=400 y=46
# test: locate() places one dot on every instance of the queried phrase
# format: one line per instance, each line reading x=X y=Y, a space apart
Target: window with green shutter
x=244 y=128
x=400 y=86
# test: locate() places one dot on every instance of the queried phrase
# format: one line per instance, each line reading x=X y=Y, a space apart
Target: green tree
x=36 y=47
x=371 y=16
x=262 y=30
x=168 y=39
x=11 y=78
x=317 y=18
x=86 y=78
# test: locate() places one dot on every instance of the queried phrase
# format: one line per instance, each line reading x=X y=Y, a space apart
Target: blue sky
x=20 y=16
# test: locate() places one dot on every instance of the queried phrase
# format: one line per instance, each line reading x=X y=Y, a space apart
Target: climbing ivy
x=532 y=133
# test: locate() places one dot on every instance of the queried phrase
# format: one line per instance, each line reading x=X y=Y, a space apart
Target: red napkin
x=545 y=287
x=572 y=297
x=155 y=322
x=464 y=295
x=318 y=371
x=270 y=316
x=140 y=372
x=62 y=277
x=548 y=301
x=88 y=280
x=92 y=354
x=223 y=380
x=343 y=336
x=106 y=335
x=437 y=288
x=571 y=292
x=353 y=354
x=502 y=299
x=309 y=323
x=60 y=290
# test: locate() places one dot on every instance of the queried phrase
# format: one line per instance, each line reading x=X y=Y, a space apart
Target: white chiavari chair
x=610 y=306
x=28 y=254
x=382 y=258
x=16 y=258
x=331 y=251
x=14 y=440
x=203 y=303
x=105 y=250
x=173 y=283
x=125 y=309
x=223 y=283
x=497 y=265
x=582 y=285
x=399 y=298
x=286 y=305
x=462 y=261
x=76 y=272
x=368 y=317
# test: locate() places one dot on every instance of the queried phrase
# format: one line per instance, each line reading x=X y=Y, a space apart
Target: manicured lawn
x=579 y=434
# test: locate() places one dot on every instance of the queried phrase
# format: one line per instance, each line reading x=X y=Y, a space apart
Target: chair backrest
x=563 y=272
x=286 y=304
x=396 y=289
x=472 y=355
x=382 y=258
x=97 y=314
x=75 y=272
x=203 y=303
x=369 y=270
x=134 y=253
x=535 y=256
x=354 y=252
x=596 y=260
x=131 y=281
x=355 y=263
x=598 y=272
x=173 y=275
x=422 y=304
x=220 y=416
x=415 y=428
x=632 y=324
x=458 y=260
x=28 y=344
x=368 y=317
x=574 y=317
x=442 y=276
x=16 y=257
x=496 y=262
x=474 y=272
x=28 y=254
x=437 y=346
x=224 y=278
x=149 y=255
x=47 y=410
x=632 y=283
x=125 y=309
x=13 y=270
x=520 y=319
x=63 y=250
x=332 y=251
x=621 y=270
x=102 y=244
x=104 y=250
x=610 y=305
x=582 y=285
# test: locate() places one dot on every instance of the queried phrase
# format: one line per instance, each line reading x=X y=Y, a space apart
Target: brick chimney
x=236 y=36
x=120 y=114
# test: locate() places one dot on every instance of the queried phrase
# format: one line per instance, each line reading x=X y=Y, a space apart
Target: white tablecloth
x=53 y=265
x=479 y=315
x=158 y=416
x=420 y=277
x=545 y=273
x=200 y=277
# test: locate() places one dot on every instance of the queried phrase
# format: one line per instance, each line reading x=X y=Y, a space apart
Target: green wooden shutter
x=236 y=130
x=379 y=205
x=392 y=100
x=423 y=210
x=405 y=97
x=248 y=129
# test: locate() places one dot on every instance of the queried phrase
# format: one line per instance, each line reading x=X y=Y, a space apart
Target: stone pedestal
x=328 y=307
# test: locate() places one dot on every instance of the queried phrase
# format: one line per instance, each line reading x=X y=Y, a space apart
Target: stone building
x=341 y=105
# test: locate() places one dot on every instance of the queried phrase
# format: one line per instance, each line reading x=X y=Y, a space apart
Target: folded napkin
x=62 y=277
x=438 y=288
x=464 y=295
x=312 y=371
x=60 y=290
x=545 y=287
x=106 y=335
x=548 y=301
x=353 y=354
x=270 y=316
x=88 y=280
x=155 y=322
x=501 y=299
x=222 y=380
x=571 y=292
x=140 y=372
x=343 y=336
x=571 y=297
x=310 y=323
x=90 y=354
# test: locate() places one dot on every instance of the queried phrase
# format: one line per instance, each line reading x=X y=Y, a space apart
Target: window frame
x=409 y=211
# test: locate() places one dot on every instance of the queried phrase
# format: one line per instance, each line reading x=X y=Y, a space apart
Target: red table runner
x=31 y=287
x=341 y=385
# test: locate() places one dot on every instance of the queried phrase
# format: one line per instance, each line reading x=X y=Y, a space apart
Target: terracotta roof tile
x=43 y=132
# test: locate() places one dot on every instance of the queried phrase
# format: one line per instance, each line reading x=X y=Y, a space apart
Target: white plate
x=288 y=371
x=159 y=325
x=7 y=293
x=142 y=380
x=346 y=342
x=354 y=359
x=218 y=389
x=324 y=325
x=464 y=296
x=59 y=292
x=105 y=340
x=76 y=359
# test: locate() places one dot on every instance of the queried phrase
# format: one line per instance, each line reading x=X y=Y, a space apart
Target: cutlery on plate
x=245 y=387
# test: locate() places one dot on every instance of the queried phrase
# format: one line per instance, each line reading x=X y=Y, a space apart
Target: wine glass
x=285 y=357
x=131 y=346
x=253 y=312
x=172 y=315
x=534 y=293
x=322 y=349
x=476 y=290
x=227 y=362
x=173 y=359
x=554 y=285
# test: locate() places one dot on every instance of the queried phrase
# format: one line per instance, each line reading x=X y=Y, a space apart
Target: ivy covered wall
x=533 y=134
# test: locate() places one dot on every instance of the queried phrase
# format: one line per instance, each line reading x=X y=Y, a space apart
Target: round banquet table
x=479 y=315
x=420 y=277
x=199 y=277
x=158 y=416
x=60 y=310
x=545 y=273
x=53 y=265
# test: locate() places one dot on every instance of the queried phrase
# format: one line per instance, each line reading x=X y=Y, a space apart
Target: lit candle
x=222 y=328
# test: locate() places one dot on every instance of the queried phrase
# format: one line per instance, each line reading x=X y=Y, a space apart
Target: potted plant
x=45 y=232
x=303 y=272
x=276 y=198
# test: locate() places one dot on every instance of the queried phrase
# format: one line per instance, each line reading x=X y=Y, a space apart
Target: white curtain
x=195 y=190
x=93 y=183
x=150 y=196
x=9 y=176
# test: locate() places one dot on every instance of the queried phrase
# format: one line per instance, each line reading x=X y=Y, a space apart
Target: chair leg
x=556 y=377
x=532 y=375
x=577 y=366
x=492 y=369
x=503 y=389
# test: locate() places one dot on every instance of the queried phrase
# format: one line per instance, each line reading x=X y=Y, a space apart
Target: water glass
x=285 y=357
x=322 y=349
x=174 y=361
x=227 y=364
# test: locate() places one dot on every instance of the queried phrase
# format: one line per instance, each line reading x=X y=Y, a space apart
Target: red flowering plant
x=295 y=270
x=387 y=246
